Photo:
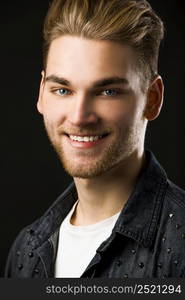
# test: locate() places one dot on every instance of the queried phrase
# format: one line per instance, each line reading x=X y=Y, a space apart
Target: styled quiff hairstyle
x=130 y=22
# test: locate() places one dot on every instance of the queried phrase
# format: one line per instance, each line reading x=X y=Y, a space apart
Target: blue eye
x=110 y=92
x=62 y=92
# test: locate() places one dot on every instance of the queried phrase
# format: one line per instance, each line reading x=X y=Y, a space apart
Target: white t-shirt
x=77 y=245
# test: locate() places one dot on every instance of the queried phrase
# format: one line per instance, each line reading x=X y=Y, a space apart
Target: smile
x=85 y=139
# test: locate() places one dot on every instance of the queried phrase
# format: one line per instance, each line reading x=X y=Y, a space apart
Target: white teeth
x=84 y=138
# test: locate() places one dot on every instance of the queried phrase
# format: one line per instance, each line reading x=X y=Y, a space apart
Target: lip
x=85 y=145
x=88 y=134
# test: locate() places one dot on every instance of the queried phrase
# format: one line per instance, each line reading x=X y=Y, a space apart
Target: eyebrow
x=99 y=83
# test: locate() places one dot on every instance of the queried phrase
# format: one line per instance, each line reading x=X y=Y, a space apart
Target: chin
x=83 y=173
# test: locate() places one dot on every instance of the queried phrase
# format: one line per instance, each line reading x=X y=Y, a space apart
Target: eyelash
x=116 y=92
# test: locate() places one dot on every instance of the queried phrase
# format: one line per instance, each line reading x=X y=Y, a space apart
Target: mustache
x=86 y=130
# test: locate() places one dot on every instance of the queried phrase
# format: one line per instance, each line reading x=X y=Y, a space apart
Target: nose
x=82 y=111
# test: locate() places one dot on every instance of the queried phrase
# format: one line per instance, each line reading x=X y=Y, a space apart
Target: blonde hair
x=131 y=22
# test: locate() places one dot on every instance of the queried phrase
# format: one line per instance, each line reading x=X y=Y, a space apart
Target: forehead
x=84 y=60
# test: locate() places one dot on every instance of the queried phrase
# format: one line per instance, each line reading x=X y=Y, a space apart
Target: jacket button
x=18 y=253
x=20 y=266
x=125 y=275
x=163 y=239
x=30 y=231
x=141 y=265
x=36 y=271
x=133 y=251
x=176 y=262
x=159 y=265
x=30 y=254
x=168 y=250
x=177 y=226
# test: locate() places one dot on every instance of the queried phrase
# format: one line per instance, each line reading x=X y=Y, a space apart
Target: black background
x=31 y=175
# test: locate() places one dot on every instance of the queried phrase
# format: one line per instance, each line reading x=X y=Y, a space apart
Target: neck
x=106 y=195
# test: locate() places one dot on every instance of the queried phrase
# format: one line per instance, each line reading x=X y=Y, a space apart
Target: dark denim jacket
x=147 y=241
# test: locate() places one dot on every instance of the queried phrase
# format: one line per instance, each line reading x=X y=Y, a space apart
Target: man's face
x=92 y=103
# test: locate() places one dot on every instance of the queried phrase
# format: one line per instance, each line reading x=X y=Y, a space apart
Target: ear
x=39 y=102
x=154 y=99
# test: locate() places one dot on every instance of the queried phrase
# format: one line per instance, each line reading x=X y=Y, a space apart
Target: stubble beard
x=124 y=143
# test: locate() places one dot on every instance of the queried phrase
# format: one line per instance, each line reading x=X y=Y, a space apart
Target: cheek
x=54 y=113
x=119 y=112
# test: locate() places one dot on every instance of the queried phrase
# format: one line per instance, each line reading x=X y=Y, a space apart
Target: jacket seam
x=179 y=202
x=160 y=198
x=46 y=273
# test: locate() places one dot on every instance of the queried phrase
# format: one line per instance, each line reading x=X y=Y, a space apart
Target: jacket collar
x=138 y=219
x=47 y=226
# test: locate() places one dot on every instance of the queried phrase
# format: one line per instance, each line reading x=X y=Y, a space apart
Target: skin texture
x=108 y=168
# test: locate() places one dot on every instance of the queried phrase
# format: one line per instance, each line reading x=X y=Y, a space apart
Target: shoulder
x=18 y=249
x=174 y=203
x=171 y=231
x=175 y=195
x=36 y=234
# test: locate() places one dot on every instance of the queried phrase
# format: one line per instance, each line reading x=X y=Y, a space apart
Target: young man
x=121 y=217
